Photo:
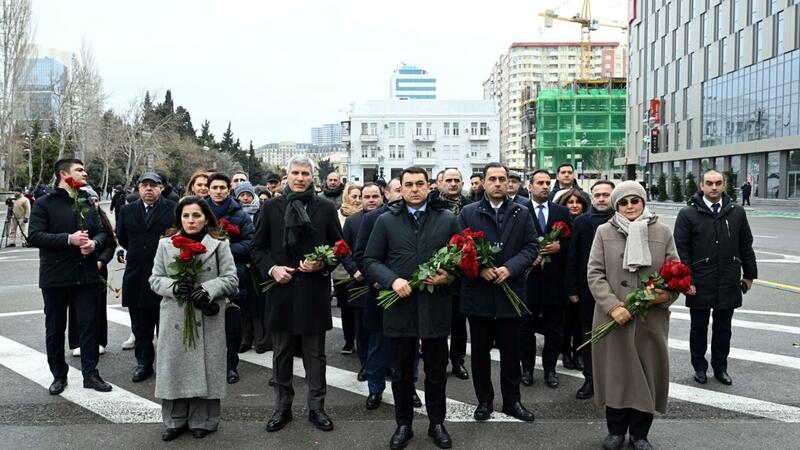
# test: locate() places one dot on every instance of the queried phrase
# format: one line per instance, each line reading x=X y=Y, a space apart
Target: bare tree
x=141 y=138
x=15 y=36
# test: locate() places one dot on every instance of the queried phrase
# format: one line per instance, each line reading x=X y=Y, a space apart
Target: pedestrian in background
x=351 y=204
x=20 y=214
x=747 y=189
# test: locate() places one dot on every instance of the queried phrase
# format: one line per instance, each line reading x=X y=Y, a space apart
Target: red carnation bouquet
x=78 y=206
x=186 y=267
x=673 y=276
x=560 y=230
x=228 y=229
x=478 y=252
x=326 y=254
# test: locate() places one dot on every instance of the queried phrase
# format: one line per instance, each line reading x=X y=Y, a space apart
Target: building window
x=484 y=129
x=678 y=135
x=710 y=61
x=759 y=41
x=771 y=6
x=392 y=152
x=455 y=129
x=401 y=150
x=447 y=128
x=678 y=12
x=672 y=107
x=753 y=12
x=779 y=33
x=674 y=44
x=447 y=152
x=364 y=128
x=685 y=103
x=428 y=129
x=734 y=15
x=718 y=28
x=473 y=150
x=392 y=129
x=740 y=49
x=373 y=128
x=689 y=134
x=723 y=53
x=419 y=129
x=401 y=129
x=704 y=28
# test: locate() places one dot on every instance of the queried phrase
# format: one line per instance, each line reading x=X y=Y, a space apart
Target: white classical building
x=386 y=136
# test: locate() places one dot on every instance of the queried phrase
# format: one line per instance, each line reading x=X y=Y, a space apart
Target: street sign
x=654 y=133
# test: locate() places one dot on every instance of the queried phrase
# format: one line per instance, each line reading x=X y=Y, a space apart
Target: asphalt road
x=761 y=408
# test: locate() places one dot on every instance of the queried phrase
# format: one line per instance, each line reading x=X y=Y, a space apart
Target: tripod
x=7 y=227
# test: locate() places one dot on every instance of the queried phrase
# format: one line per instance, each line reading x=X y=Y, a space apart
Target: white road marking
x=748 y=355
x=785 y=259
x=16 y=259
x=764 y=237
x=749 y=311
x=117 y=406
x=751 y=325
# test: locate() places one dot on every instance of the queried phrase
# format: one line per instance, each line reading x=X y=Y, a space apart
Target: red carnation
x=341 y=249
x=229 y=228
x=457 y=240
x=565 y=231
x=73 y=183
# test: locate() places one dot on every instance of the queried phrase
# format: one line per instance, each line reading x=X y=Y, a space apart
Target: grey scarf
x=637 y=249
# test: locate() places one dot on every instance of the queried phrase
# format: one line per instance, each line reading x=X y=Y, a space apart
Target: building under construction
x=582 y=123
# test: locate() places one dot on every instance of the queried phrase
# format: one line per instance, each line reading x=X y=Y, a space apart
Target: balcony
x=425 y=137
x=478 y=159
x=478 y=137
x=369 y=138
x=424 y=162
x=345 y=138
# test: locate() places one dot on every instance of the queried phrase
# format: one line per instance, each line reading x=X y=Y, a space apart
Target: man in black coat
x=140 y=226
x=289 y=227
x=583 y=230
x=450 y=192
x=491 y=316
x=713 y=238
x=117 y=201
x=565 y=179
x=227 y=208
x=546 y=297
x=69 y=236
x=403 y=238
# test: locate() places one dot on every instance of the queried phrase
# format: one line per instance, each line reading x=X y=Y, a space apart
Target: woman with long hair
x=574 y=201
x=198 y=184
x=191 y=381
x=351 y=204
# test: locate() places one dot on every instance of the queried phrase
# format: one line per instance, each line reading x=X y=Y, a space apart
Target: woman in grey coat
x=631 y=364
x=191 y=381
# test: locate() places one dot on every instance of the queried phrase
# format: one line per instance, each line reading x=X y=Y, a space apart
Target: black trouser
x=84 y=300
x=571 y=333
x=73 y=330
x=458 y=334
x=586 y=352
x=233 y=334
x=348 y=315
x=720 y=338
x=549 y=321
x=314 y=363
x=144 y=325
x=620 y=421
x=485 y=331
x=362 y=335
x=434 y=355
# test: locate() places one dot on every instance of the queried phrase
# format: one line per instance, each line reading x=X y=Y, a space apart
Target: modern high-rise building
x=327 y=134
x=412 y=83
x=716 y=84
x=46 y=74
x=550 y=65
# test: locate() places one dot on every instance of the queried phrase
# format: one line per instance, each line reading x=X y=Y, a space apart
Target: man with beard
x=333 y=190
x=476 y=186
x=450 y=192
x=565 y=179
x=583 y=230
x=289 y=227
x=403 y=238
x=492 y=318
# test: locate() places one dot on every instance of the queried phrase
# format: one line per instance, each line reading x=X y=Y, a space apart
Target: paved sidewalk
x=762 y=209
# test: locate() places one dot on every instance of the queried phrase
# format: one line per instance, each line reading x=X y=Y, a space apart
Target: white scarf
x=637 y=250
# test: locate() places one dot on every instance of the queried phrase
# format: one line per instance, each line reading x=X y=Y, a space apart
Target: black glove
x=203 y=302
x=183 y=288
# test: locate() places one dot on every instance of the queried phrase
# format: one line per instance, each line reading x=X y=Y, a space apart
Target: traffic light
x=654 y=133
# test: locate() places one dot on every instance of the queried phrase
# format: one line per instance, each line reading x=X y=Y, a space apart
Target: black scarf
x=296 y=220
x=333 y=192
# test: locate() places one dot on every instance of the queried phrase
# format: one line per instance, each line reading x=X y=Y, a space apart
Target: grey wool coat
x=198 y=372
x=631 y=364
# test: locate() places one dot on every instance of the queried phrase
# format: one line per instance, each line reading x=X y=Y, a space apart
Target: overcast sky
x=275 y=69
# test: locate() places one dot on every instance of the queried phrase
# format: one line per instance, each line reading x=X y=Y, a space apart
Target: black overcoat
x=546 y=286
x=583 y=230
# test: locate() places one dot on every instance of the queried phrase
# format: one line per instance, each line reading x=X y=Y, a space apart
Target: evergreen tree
x=730 y=189
x=662 y=187
x=254 y=167
x=226 y=145
x=166 y=108
x=185 y=127
x=677 y=195
x=149 y=111
x=325 y=167
x=206 y=136
x=691 y=185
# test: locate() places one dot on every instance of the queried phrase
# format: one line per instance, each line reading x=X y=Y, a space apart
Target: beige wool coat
x=631 y=364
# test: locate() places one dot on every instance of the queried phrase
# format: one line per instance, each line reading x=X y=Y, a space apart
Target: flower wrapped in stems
x=446 y=258
x=560 y=230
x=80 y=207
x=330 y=256
x=186 y=267
x=227 y=229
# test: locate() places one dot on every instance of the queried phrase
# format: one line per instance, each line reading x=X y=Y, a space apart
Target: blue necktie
x=542 y=221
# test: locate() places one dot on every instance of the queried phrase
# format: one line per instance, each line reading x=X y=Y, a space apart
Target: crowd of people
x=257 y=234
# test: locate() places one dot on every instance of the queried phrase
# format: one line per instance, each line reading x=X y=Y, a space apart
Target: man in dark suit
x=139 y=227
x=514 y=188
x=289 y=227
x=404 y=237
x=546 y=297
x=491 y=317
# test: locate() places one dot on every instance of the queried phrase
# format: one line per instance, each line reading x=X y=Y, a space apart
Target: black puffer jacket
x=719 y=250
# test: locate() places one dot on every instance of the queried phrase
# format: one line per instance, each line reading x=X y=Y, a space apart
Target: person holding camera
x=714 y=239
x=20 y=209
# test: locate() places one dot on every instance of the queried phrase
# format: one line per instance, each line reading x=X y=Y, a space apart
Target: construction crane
x=584 y=18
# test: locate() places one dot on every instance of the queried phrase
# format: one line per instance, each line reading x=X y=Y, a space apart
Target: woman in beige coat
x=631 y=365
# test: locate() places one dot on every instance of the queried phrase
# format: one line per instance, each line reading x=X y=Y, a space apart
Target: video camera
x=10 y=202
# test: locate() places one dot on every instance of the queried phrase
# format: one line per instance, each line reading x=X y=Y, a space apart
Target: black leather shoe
x=568 y=362
x=95 y=382
x=460 y=372
x=613 y=442
x=641 y=444
x=417 y=401
x=551 y=380
x=517 y=411
x=198 y=433
x=170 y=434
x=141 y=373
x=400 y=438
x=374 y=401
x=723 y=377
x=57 y=386
x=320 y=419
x=586 y=391
x=441 y=438
x=361 y=377
x=278 y=420
x=244 y=347
x=483 y=412
x=527 y=378
x=233 y=376
x=700 y=376
x=261 y=350
x=271 y=382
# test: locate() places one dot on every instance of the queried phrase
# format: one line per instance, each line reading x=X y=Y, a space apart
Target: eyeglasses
x=634 y=201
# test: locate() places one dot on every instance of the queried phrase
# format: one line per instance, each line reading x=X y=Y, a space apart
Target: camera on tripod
x=10 y=202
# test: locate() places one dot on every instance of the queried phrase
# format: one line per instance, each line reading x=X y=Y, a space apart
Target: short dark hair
x=492 y=165
x=536 y=172
x=413 y=170
x=17 y=189
x=598 y=183
x=64 y=164
x=372 y=184
x=565 y=165
x=219 y=176
x=476 y=174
